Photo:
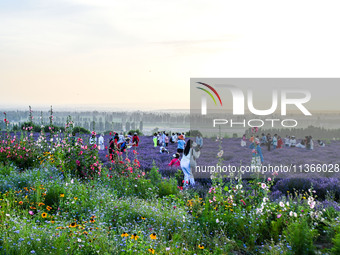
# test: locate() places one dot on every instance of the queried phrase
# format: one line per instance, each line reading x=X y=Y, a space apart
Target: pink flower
x=31 y=212
x=279 y=216
x=244 y=203
x=269 y=179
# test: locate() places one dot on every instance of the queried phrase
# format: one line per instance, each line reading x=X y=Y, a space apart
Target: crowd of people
x=186 y=154
x=276 y=142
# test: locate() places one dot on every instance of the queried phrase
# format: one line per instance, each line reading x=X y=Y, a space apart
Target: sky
x=137 y=54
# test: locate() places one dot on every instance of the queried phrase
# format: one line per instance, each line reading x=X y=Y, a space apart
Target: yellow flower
x=153 y=236
x=44 y=215
x=75 y=198
x=143 y=218
x=134 y=236
x=152 y=251
x=41 y=204
x=49 y=208
x=73 y=225
x=52 y=221
x=124 y=234
x=92 y=220
x=201 y=247
x=62 y=195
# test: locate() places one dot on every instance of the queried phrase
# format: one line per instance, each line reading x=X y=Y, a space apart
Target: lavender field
x=234 y=154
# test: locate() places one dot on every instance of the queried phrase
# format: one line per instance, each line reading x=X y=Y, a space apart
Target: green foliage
x=193 y=133
x=81 y=130
x=336 y=244
x=301 y=237
x=139 y=133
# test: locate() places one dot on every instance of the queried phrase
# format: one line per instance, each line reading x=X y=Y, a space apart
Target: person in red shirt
x=279 y=142
x=175 y=161
x=135 y=139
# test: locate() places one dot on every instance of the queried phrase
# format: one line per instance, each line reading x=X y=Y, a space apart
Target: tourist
x=274 y=141
x=188 y=162
x=180 y=144
x=93 y=138
x=163 y=150
x=263 y=139
x=244 y=140
x=199 y=140
x=101 y=142
x=135 y=140
x=166 y=140
x=321 y=143
x=279 y=142
x=175 y=161
x=269 y=141
x=257 y=157
x=292 y=141
x=287 y=141
x=155 y=139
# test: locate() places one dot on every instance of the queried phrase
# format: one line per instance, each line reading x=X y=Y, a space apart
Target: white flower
x=220 y=154
x=217 y=221
x=282 y=204
x=312 y=205
x=291 y=214
x=265 y=199
x=79 y=240
x=8 y=215
x=258 y=210
x=287 y=203
x=295 y=214
x=72 y=181
x=263 y=185
x=239 y=186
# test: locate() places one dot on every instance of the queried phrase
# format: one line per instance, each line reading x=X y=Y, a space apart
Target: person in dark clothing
x=269 y=141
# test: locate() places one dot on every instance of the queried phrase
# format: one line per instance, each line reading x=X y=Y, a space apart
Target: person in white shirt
x=287 y=141
x=101 y=142
x=292 y=141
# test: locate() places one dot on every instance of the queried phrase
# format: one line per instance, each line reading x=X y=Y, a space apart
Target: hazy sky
x=141 y=54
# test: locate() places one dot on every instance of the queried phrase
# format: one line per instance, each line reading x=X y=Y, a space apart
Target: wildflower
x=62 y=195
x=282 y=204
x=49 y=208
x=244 y=203
x=217 y=221
x=279 y=216
x=200 y=246
x=75 y=198
x=92 y=220
x=220 y=153
x=20 y=202
x=152 y=251
x=143 y=218
x=73 y=225
x=31 y=212
x=167 y=248
x=44 y=215
x=134 y=236
x=124 y=234
x=153 y=236
x=263 y=186
x=41 y=204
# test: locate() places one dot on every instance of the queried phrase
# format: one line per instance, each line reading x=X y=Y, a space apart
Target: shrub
x=300 y=237
x=81 y=130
